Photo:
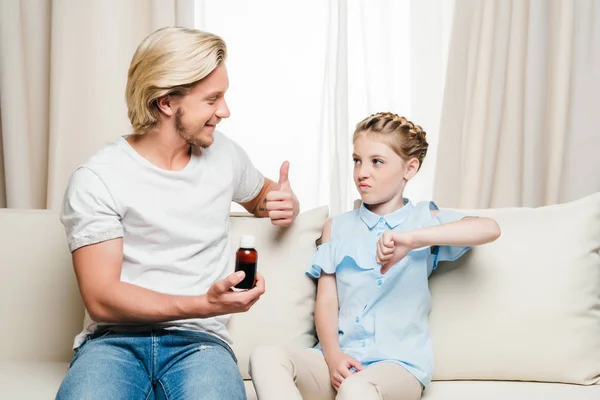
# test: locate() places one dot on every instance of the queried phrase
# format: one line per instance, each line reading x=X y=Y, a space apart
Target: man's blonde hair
x=168 y=62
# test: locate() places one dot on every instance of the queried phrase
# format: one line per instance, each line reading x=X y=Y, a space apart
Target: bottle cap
x=247 y=241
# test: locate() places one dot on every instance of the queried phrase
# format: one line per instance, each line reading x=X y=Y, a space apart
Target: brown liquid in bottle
x=246 y=260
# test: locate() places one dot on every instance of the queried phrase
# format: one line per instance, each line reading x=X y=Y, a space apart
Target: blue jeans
x=159 y=364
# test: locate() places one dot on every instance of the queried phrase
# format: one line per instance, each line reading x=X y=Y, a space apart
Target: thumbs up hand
x=284 y=181
x=282 y=203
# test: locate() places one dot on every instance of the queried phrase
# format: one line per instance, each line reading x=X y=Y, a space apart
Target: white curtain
x=303 y=73
x=519 y=125
x=63 y=68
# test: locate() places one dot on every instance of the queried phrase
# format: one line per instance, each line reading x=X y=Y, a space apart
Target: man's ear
x=166 y=105
x=412 y=166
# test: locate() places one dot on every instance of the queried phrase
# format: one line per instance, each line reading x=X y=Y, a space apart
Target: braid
x=408 y=140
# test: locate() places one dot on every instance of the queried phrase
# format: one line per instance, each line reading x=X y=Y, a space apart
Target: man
x=147 y=223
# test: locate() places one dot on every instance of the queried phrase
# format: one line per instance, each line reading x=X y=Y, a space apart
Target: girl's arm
x=326 y=308
x=393 y=246
x=326 y=317
x=326 y=321
x=466 y=232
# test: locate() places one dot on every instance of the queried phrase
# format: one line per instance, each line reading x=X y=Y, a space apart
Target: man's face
x=203 y=108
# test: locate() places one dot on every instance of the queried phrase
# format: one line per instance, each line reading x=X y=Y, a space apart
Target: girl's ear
x=412 y=166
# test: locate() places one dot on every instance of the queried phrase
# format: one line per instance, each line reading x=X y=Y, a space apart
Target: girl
x=373 y=298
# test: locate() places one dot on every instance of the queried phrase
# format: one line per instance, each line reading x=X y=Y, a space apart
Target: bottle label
x=250 y=271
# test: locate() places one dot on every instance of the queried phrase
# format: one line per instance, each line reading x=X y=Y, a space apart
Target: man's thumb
x=283 y=174
x=231 y=281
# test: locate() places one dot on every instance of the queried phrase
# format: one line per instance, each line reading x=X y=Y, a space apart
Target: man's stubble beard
x=182 y=131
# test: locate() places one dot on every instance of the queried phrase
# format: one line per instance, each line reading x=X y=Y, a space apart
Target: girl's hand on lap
x=342 y=366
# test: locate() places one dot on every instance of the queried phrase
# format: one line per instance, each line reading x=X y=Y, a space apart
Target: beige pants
x=279 y=374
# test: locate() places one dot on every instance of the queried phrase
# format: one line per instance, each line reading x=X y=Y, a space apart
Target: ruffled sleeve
x=441 y=253
x=358 y=251
x=323 y=260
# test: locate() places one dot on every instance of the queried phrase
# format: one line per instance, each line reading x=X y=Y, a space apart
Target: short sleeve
x=249 y=180
x=88 y=212
x=446 y=253
x=323 y=260
x=359 y=252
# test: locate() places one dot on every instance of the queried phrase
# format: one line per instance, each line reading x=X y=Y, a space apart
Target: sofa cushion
x=41 y=380
x=250 y=391
x=284 y=314
x=31 y=380
x=492 y=390
x=527 y=306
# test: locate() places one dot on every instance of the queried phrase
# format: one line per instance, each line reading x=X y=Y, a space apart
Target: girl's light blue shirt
x=384 y=317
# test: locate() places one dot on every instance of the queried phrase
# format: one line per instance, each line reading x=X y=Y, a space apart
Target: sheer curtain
x=303 y=73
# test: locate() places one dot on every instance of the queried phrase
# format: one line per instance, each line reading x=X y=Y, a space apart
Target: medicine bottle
x=246 y=260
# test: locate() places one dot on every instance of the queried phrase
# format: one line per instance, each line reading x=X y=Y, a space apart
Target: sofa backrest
x=526 y=307
x=42 y=311
x=284 y=315
x=40 y=307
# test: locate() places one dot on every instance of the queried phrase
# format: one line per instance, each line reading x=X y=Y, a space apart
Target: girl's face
x=380 y=174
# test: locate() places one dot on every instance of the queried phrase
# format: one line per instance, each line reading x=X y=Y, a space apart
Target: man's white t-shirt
x=174 y=224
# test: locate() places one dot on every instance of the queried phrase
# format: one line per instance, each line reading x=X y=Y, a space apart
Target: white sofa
x=515 y=319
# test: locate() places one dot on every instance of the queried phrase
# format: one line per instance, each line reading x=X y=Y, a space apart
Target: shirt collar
x=392 y=219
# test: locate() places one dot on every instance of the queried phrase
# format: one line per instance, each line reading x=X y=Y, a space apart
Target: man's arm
x=107 y=299
x=258 y=205
x=275 y=200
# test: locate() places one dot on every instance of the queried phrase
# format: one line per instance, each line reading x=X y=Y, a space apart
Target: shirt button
x=378 y=234
x=356 y=320
x=379 y=282
x=363 y=344
x=381 y=219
